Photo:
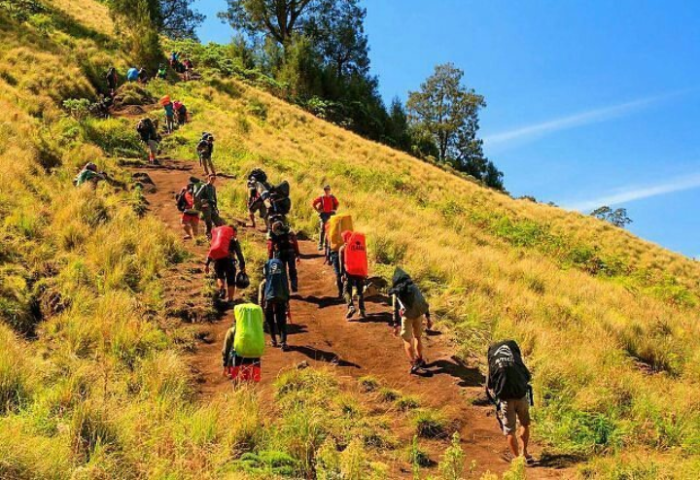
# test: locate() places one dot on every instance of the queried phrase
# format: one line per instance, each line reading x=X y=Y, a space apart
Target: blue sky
x=588 y=102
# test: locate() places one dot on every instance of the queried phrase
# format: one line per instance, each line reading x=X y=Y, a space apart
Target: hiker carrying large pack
x=169 y=110
x=278 y=198
x=334 y=241
x=224 y=247
x=282 y=244
x=112 y=80
x=244 y=344
x=409 y=308
x=149 y=135
x=273 y=295
x=353 y=260
x=508 y=388
x=190 y=215
x=326 y=205
x=205 y=150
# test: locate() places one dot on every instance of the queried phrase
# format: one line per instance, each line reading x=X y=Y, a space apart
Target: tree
x=617 y=217
x=278 y=19
x=338 y=31
x=398 y=132
x=178 y=20
x=449 y=113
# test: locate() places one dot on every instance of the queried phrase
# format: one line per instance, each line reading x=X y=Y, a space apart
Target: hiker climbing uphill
x=225 y=252
x=244 y=344
x=326 y=205
x=205 y=150
x=162 y=72
x=334 y=241
x=509 y=380
x=143 y=76
x=112 y=80
x=186 y=204
x=206 y=198
x=148 y=132
x=181 y=112
x=273 y=296
x=169 y=110
x=257 y=183
x=89 y=175
x=188 y=67
x=353 y=261
x=409 y=308
x=282 y=244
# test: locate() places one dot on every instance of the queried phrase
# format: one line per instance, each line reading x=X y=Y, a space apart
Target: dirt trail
x=320 y=335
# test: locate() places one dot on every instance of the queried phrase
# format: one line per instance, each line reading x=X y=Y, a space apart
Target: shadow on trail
x=468 y=376
x=323 y=302
x=382 y=317
x=295 y=329
x=559 y=461
x=322 y=356
x=309 y=256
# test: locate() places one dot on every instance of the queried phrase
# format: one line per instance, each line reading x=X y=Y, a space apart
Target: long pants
x=211 y=217
x=289 y=259
x=170 y=123
x=324 y=217
x=359 y=284
x=276 y=318
x=335 y=261
x=208 y=165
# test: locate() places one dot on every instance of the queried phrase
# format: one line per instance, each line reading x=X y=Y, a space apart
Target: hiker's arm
x=228 y=344
x=429 y=319
x=315 y=203
x=341 y=259
x=235 y=248
x=206 y=265
x=295 y=245
x=395 y=314
x=269 y=249
x=261 y=293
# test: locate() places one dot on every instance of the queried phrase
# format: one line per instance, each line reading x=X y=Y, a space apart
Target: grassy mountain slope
x=92 y=383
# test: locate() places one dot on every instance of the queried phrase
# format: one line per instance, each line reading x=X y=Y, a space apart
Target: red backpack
x=220 y=241
x=356 y=255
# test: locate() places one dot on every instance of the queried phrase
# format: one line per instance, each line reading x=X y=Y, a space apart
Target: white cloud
x=632 y=193
x=587 y=117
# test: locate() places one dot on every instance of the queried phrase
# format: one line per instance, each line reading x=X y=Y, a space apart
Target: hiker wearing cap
x=282 y=244
x=326 y=206
x=226 y=253
x=409 y=307
x=205 y=149
x=89 y=175
x=206 y=198
x=353 y=262
x=273 y=296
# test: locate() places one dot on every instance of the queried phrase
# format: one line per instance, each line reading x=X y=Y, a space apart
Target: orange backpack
x=220 y=241
x=356 y=255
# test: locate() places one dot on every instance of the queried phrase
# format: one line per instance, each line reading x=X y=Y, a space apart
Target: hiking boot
x=295 y=288
x=273 y=343
x=351 y=312
x=320 y=248
x=363 y=314
x=285 y=347
x=416 y=370
x=421 y=363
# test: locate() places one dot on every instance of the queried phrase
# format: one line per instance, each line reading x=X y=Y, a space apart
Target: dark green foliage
x=617 y=217
x=21 y=10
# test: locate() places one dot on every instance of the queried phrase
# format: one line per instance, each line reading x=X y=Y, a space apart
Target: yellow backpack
x=336 y=226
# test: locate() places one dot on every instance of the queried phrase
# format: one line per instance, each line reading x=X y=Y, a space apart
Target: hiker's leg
x=203 y=163
x=513 y=444
x=407 y=337
x=335 y=261
x=322 y=232
x=206 y=216
x=408 y=348
x=293 y=276
x=525 y=438
x=523 y=412
x=348 y=292
x=231 y=280
x=270 y=319
x=509 y=415
x=281 y=312
x=361 y=293
x=195 y=228
x=216 y=218
x=211 y=166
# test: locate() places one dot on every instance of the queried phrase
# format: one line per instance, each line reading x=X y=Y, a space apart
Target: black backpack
x=509 y=378
x=279 y=198
x=181 y=201
x=258 y=175
x=145 y=128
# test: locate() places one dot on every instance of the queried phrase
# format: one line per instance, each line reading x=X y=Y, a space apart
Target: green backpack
x=249 y=341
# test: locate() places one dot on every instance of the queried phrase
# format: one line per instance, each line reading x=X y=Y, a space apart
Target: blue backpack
x=132 y=75
x=276 y=281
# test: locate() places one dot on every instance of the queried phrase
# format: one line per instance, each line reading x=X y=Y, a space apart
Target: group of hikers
x=139 y=74
x=344 y=249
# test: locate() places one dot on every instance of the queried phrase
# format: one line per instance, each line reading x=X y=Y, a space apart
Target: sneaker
x=421 y=363
x=320 y=248
x=416 y=370
x=351 y=312
x=273 y=343
x=295 y=289
x=363 y=314
x=285 y=347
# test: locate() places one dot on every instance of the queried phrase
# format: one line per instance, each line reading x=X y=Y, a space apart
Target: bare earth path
x=321 y=336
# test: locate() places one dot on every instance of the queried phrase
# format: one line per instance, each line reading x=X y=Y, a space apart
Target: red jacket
x=328 y=204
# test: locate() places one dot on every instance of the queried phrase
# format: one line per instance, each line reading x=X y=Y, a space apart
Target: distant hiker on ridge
x=409 y=307
x=326 y=206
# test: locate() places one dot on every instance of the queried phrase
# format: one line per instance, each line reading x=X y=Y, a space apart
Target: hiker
x=180 y=112
x=244 y=344
x=190 y=216
x=206 y=197
x=326 y=206
x=509 y=380
x=148 y=132
x=174 y=59
x=205 y=149
x=257 y=183
x=273 y=296
x=89 y=174
x=100 y=109
x=187 y=64
x=143 y=76
x=169 y=109
x=409 y=307
x=282 y=244
x=353 y=262
x=112 y=80
x=132 y=74
x=334 y=241
x=162 y=72
x=224 y=247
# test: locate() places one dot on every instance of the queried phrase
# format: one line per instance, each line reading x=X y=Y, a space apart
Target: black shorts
x=225 y=269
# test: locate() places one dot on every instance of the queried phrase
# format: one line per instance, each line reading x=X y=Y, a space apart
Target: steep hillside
x=93 y=374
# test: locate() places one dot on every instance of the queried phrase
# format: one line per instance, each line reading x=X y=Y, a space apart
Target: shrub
x=429 y=423
x=407 y=402
x=368 y=383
